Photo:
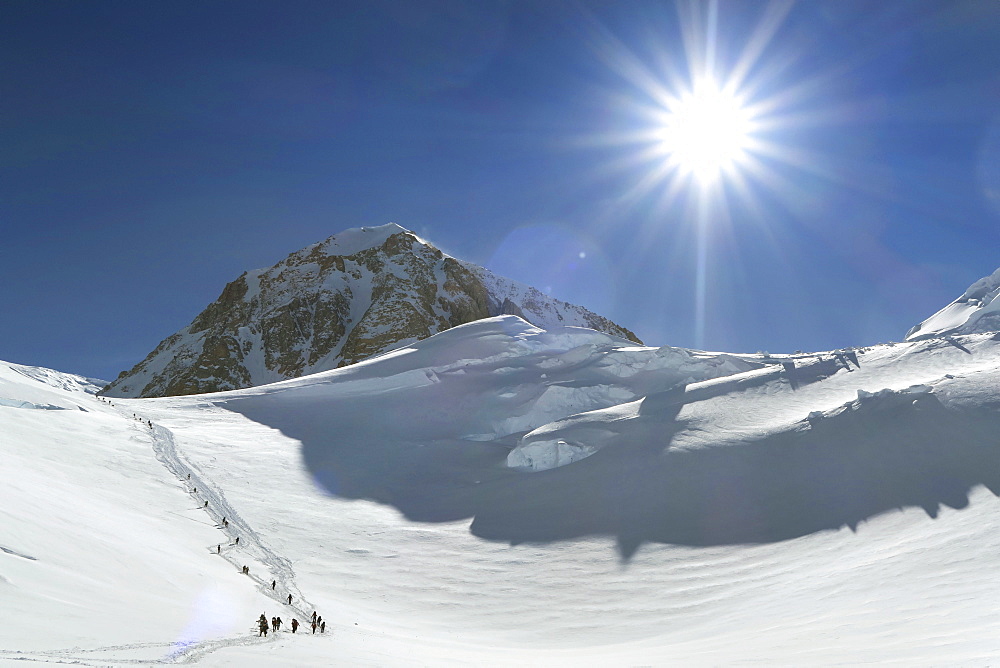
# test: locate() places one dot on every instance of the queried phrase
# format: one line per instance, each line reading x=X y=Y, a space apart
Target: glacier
x=504 y=493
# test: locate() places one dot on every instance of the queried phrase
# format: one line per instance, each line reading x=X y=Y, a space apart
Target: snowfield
x=500 y=494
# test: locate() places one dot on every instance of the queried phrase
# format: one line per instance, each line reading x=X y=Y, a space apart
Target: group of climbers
x=317 y=623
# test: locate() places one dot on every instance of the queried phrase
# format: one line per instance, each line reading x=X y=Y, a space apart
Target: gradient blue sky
x=153 y=151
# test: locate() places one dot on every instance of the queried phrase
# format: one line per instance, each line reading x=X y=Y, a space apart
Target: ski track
x=252 y=551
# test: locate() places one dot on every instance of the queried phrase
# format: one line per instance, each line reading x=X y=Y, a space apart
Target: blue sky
x=151 y=152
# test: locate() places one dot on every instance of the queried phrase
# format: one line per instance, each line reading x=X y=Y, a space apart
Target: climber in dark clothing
x=295 y=625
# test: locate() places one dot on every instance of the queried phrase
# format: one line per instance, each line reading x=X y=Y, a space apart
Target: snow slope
x=501 y=494
x=103 y=549
x=977 y=310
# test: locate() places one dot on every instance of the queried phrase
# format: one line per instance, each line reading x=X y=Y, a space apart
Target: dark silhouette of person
x=289 y=599
x=274 y=583
x=295 y=625
x=322 y=627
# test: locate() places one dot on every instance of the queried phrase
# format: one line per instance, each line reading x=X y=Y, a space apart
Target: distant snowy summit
x=978 y=310
x=357 y=294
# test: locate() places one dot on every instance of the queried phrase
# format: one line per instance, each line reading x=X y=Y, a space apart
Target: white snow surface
x=977 y=310
x=500 y=494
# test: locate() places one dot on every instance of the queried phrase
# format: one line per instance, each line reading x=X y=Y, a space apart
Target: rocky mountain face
x=355 y=295
x=978 y=310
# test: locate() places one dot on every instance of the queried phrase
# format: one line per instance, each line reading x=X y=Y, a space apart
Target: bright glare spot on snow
x=209 y=619
x=706 y=131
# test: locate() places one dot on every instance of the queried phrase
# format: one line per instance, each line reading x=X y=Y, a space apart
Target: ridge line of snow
x=356 y=239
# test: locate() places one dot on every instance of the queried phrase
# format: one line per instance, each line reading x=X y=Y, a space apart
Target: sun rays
x=705 y=118
x=701 y=121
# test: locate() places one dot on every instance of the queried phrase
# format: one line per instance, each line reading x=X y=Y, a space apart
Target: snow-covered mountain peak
x=977 y=310
x=359 y=293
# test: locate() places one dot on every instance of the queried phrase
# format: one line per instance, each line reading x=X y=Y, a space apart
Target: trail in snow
x=251 y=547
x=251 y=551
x=168 y=652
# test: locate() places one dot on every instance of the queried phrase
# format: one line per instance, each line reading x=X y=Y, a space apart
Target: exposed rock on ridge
x=357 y=294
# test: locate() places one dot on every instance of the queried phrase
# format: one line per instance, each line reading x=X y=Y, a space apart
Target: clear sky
x=150 y=152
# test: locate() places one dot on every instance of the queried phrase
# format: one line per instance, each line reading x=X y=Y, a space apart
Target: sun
x=705 y=131
x=705 y=124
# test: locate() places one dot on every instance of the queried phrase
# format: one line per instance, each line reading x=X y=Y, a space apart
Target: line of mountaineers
x=262 y=624
x=275 y=626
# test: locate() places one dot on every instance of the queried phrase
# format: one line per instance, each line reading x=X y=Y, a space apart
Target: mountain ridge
x=977 y=310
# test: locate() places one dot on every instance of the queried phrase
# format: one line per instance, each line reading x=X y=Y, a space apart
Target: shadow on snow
x=822 y=473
